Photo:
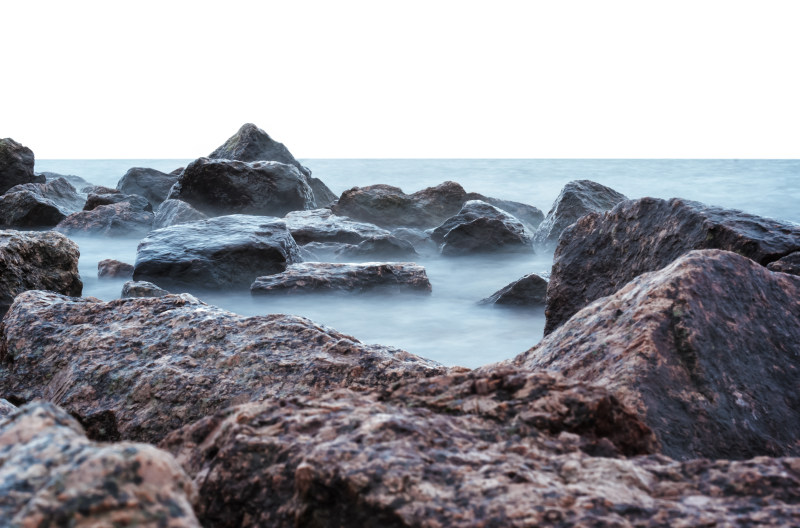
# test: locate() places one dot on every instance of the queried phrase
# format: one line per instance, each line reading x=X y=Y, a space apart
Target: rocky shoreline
x=664 y=393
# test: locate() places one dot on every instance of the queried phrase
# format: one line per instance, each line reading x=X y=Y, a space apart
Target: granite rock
x=250 y=143
x=321 y=225
x=113 y=269
x=530 y=290
x=788 y=264
x=39 y=204
x=142 y=289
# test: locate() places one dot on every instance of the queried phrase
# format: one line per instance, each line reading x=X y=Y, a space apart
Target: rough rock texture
x=219 y=187
x=788 y=264
x=153 y=185
x=6 y=408
x=251 y=143
x=602 y=252
x=707 y=350
x=527 y=214
x=142 y=289
x=173 y=212
x=110 y=268
x=530 y=290
x=472 y=210
x=222 y=252
x=51 y=475
x=75 y=181
x=481 y=228
x=321 y=225
x=387 y=248
x=39 y=204
x=99 y=189
x=323 y=196
x=37 y=261
x=323 y=276
x=421 y=240
x=114 y=220
x=576 y=199
x=148 y=366
x=16 y=165
x=59 y=191
x=95 y=200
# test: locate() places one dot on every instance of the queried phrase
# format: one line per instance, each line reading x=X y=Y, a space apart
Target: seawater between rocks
x=448 y=326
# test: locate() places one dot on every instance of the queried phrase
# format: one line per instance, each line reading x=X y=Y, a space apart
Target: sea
x=449 y=326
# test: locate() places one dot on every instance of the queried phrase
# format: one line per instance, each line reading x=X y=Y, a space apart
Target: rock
x=219 y=187
x=481 y=228
x=151 y=184
x=112 y=269
x=75 y=181
x=16 y=165
x=323 y=196
x=251 y=143
x=99 y=189
x=314 y=277
x=173 y=212
x=707 y=350
x=530 y=290
x=138 y=203
x=51 y=475
x=472 y=210
x=178 y=171
x=788 y=264
x=38 y=204
x=577 y=199
x=601 y=253
x=388 y=248
x=59 y=191
x=148 y=366
x=37 y=261
x=115 y=220
x=527 y=214
x=6 y=408
x=142 y=289
x=222 y=252
x=321 y=225
x=420 y=240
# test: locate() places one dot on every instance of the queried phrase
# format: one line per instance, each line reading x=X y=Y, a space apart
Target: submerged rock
x=151 y=184
x=39 y=204
x=142 y=289
x=173 y=212
x=601 y=253
x=530 y=290
x=250 y=143
x=110 y=268
x=321 y=225
x=16 y=165
x=788 y=264
x=121 y=219
x=138 y=203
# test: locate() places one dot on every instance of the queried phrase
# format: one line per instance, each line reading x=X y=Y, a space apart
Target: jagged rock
x=530 y=290
x=6 y=408
x=577 y=199
x=138 y=203
x=99 y=189
x=472 y=210
x=51 y=475
x=38 y=204
x=788 y=264
x=60 y=191
x=115 y=220
x=311 y=277
x=37 y=261
x=142 y=289
x=173 y=212
x=251 y=143
x=148 y=366
x=527 y=214
x=707 y=350
x=75 y=181
x=601 y=253
x=16 y=165
x=222 y=252
x=151 y=184
x=481 y=228
x=321 y=225
x=219 y=186
x=323 y=196
x=110 y=268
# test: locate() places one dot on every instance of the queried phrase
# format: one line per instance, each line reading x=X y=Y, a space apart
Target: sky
x=411 y=79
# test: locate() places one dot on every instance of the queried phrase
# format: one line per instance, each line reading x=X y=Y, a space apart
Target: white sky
x=434 y=78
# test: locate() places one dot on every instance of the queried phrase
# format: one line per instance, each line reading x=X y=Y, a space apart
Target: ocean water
x=448 y=326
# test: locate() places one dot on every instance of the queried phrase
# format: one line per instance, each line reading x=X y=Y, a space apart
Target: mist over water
x=447 y=325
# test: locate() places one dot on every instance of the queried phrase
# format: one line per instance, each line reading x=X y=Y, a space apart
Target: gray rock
x=39 y=204
x=173 y=212
x=381 y=248
x=530 y=290
x=138 y=203
x=251 y=143
x=481 y=228
x=421 y=240
x=323 y=196
x=321 y=225
x=788 y=264
x=114 y=220
x=75 y=181
x=16 y=165
x=153 y=185
x=527 y=214
x=98 y=189
x=472 y=210
x=142 y=289
x=110 y=268
x=6 y=408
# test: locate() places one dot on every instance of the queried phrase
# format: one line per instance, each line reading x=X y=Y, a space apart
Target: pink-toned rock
x=110 y=268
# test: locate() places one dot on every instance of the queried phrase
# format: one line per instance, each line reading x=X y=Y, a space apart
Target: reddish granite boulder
x=788 y=264
x=110 y=268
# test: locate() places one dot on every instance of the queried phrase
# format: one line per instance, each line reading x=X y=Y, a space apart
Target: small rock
x=112 y=269
x=530 y=290
x=142 y=289
x=387 y=248
x=322 y=276
x=75 y=181
x=39 y=204
x=481 y=228
x=788 y=264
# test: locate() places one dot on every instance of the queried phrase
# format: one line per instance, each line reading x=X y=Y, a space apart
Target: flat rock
x=151 y=184
x=322 y=225
x=16 y=165
x=110 y=268
x=250 y=143
x=115 y=220
x=222 y=252
x=138 y=203
x=530 y=290
x=52 y=475
x=148 y=366
x=142 y=289
x=173 y=212
x=788 y=264
x=707 y=350
x=602 y=252
x=37 y=261
x=323 y=276
x=576 y=199
x=39 y=204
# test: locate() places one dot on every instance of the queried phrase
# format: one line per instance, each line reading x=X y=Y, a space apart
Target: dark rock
x=472 y=210
x=51 y=475
x=577 y=199
x=222 y=252
x=602 y=252
x=323 y=196
x=311 y=277
x=99 y=189
x=153 y=185
x=178 y=171
x=707 y=350
x=530 y=290
x=420 y=240
x=114 y=220
x=37 y=261
x=219 y=187
x=138 y=203
x=142 y=289
x=16 y=165
x=481 y=228
x=60 y=191
x=251 y=143
x=788 y=264
x=527 y=214
x=387 y=248
x=110 y=268
x=75 y=181
x=6 y=408
x=321 y=225
x=39 y=204
x=322 y=251
x=173 y=212
x=148 y=366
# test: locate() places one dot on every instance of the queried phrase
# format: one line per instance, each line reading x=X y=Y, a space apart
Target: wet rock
x=310 y=277
x=323 y=196
x=388 y=248
x=6 y=408
x=142 y=289
x=472 y=210
x=527 y=214
x=37 y=261
x=222 y=252
x=707 y=350
x=788 y=264
x=420 y=240
x=148 y=366
x=138 y=203
x=173 y=212
x=16 y=165
x=99 y=189
x=321 y=225
x=59 y=191
x=151 y=184
x=576 y=199
x=218 y=187
x=178 y=171
x=530 y=290
x=251 y=143
x=75 y=181
x=110 y=268
x=39 y=204
x=51 y=475
x=601 y=253
x=115 y=220
x=481 y=228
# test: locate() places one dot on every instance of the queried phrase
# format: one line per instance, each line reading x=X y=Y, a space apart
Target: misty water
x=449 y=326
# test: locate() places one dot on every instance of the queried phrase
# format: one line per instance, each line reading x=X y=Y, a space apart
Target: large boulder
x=138 y=203
x=37 y=261
x=530 y=290
x=52 y=475
x=39 y=204
x=148 y=366
x=707 y=350
x=788 y=264
x=472 y=210
x=221 y=252
x=153 y=185
x=311 y=277
x=219 y=187
x=16 y=165
x=481 y=228
x=121 y=219
x=173 y=212
x=251 y=143
x=321 y=225
x=576 y=199
x=601 y=253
